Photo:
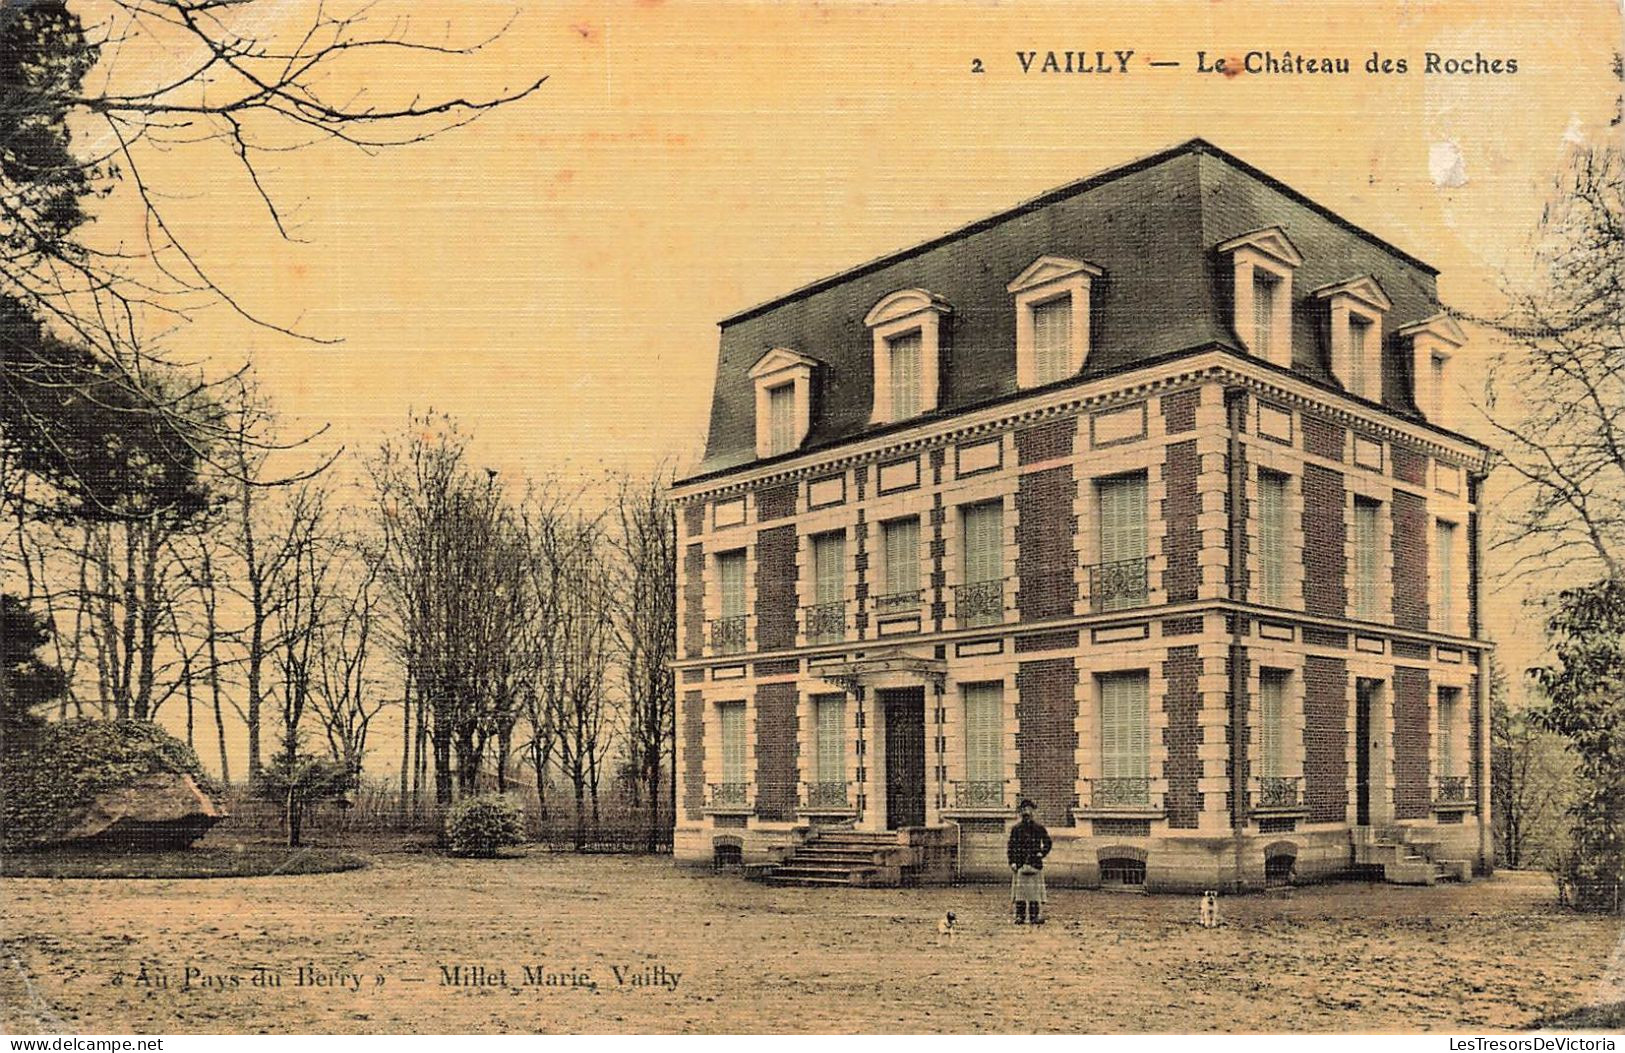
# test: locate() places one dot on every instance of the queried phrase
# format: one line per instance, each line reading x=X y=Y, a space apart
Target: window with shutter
x=1272 y=723
x=984 y=735
x=731 y=579
x=1264 y=289
x=1447 y=732
x=1272 y=538
x=1359 y=353
x=984 y=542
x=1052 y=340
x=830 y=712
x=731 y=716
x=1365 y=558
x=829 y=568
x=1125 y=725
x=1437 y=365
x=1445 y=575
x=1120 y=580
x=903 y=353
x=781 y=412
x=902 y=543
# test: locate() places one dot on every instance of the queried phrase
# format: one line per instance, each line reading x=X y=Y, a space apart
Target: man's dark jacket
x=1029 y=844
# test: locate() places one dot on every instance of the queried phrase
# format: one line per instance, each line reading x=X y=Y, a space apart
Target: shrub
x=478 y=826
x=47 y=781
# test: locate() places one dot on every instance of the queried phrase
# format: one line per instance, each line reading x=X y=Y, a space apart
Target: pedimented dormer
x=783 y=400
x=1357 y=308
x=1052 y=319
x=906 y=332
x=1434 y=343
x=1262 y=265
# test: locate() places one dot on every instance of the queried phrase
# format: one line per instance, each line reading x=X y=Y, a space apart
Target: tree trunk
x=406 y=746
x=581 y=810
x=441 y=742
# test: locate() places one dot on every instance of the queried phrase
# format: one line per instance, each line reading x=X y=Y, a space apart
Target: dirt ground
x=722 y=955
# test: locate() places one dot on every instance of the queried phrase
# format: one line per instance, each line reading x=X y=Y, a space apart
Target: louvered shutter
x=831 y=716
x=1052 y=340
x=1445 y=575
x=731 y=574
x=984 y=542
x=1122 y=518
x=733 y=741
x=1271 y=714
x=984 y=732
x=1365 y=559
x=904 y=353
x=1359 y=371
x=1447 y=732
x=1125 y=733
x=1271 y=537
x=829 y=568
x=903 y=556
x=781 y=415
x=1263 y=313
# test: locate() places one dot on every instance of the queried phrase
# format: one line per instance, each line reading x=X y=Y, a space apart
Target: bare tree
x=344 y=693
x=646 y=634
x=1557 y=402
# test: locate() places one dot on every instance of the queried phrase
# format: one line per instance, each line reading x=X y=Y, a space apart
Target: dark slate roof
x=1153 y=225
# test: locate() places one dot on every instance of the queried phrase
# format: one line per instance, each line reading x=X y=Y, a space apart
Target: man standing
x=1029 y=844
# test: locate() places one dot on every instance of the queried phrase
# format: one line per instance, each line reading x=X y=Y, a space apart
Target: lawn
x=636 y=944
x=249 y=860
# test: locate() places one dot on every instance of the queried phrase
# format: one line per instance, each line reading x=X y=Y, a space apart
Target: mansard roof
x=1154 y=229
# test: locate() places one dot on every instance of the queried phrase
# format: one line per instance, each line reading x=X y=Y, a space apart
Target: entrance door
x=1362 y=752
x=905 y=756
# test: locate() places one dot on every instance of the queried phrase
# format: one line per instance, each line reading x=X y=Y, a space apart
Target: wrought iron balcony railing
x=979 y=602
x=1277 y=791
x=824 y=622
x=980 y=793
x=1118 y=585
x=1453 y=788
x=728 y=634
x=1120 y=792
x=834 y=795
x=728 y=794
x=897 y=602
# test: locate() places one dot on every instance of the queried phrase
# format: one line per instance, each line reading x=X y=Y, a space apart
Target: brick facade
x=1326 y=738
x=1410 y=561
x=776 y=609
x=1325 y=541
x=1183 y=736
x=1410 y=466
x=1047 y=441
x=694 y=518
x=1045 y=528
x=1182 y=544
x=694 y=601
x=1322 y=438
x=1413 y=794
x=1047 y=736
x=776 y=751
x=775 y=502
x=694 y=754
x=1179 y=411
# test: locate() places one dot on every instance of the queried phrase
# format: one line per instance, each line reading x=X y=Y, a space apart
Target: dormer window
x=1262 y=264
x=1357 y=308
x=783 y=400
x=906 y=329
x=1434 y=343
x=1052 y=319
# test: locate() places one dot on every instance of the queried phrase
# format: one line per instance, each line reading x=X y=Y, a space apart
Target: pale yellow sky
x=553 y=275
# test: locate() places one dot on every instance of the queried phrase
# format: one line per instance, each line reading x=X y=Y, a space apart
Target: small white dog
x=947 y=928
x=1208 y=914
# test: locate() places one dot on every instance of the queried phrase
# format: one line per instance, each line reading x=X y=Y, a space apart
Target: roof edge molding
x=1441 y=327
x=1271 y=241
x=1047 y=269
x=780 y=358
x=1365 y=289
x=902 y=304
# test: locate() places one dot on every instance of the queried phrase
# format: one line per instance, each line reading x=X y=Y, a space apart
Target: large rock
x=155 y=812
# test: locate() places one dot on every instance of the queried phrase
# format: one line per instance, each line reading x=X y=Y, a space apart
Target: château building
x=1141 y=500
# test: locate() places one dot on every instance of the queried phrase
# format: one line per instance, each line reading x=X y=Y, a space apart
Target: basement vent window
x=1278 y=869
x=1277 y=825
x=1122 y=872
x=727 y=855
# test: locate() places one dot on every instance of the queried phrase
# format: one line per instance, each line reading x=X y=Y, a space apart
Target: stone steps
x=839 y=858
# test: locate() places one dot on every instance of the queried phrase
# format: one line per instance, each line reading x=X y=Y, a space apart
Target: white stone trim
x=898 y=314
x=1271 y=252
x=1361 y=298
x=1046 y=279
x=776 y=369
